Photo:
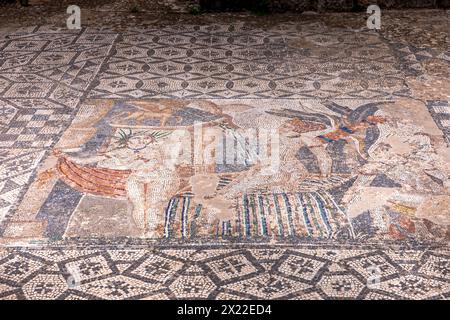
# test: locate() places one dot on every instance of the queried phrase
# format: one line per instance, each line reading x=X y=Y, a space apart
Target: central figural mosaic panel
x=238 y=169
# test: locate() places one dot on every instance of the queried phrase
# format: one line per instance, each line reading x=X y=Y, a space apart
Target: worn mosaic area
x=89 y=120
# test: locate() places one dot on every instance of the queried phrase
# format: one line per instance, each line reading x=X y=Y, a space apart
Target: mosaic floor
x=98 y=202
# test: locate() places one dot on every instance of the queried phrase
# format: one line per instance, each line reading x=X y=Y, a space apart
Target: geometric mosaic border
x=215 y=272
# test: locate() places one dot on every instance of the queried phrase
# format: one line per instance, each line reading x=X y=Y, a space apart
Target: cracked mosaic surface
x=364 y=124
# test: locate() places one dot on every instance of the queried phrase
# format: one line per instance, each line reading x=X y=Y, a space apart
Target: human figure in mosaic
x=137 y=157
